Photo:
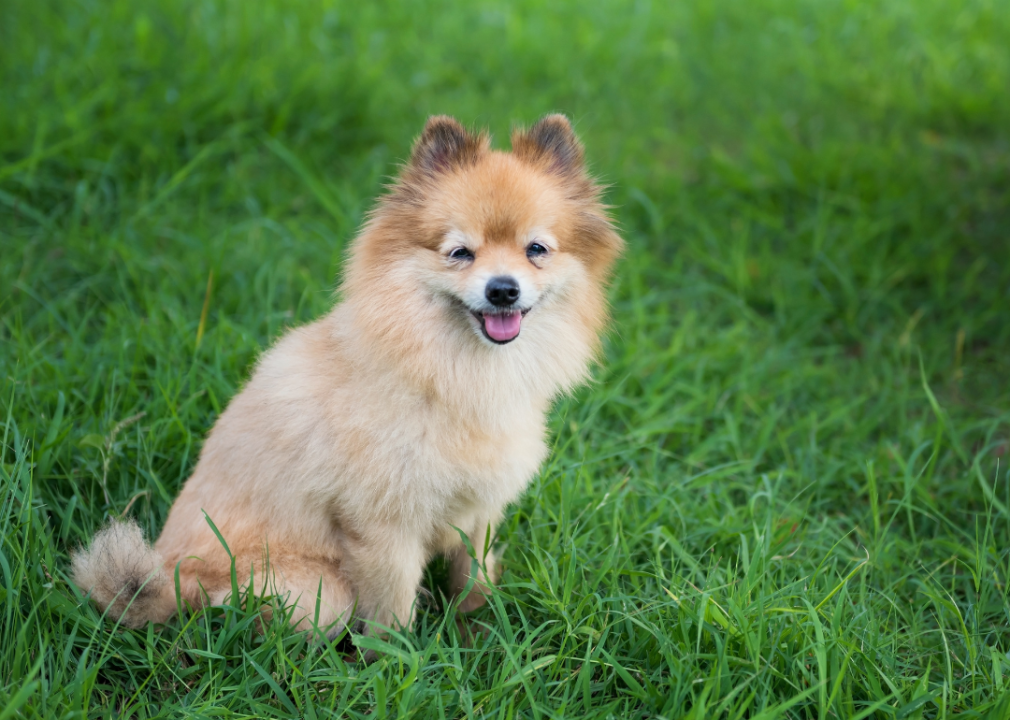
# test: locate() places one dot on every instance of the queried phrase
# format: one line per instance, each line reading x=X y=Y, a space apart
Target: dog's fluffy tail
x=125 y=575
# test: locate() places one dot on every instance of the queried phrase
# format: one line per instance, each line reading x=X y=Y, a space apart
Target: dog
x=366 y=442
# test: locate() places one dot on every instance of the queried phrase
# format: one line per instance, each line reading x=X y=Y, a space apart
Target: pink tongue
x=503 y=327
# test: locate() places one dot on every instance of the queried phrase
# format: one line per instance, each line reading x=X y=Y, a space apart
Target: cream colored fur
x=362 y=439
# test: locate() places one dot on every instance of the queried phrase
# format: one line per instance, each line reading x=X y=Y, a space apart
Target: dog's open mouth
x=501 y=327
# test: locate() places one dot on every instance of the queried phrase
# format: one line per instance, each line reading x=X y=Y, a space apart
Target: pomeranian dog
x=473 y=296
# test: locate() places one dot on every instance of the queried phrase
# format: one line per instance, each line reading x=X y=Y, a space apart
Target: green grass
x=786 y=493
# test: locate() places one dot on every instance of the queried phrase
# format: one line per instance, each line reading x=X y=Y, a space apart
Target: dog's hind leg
x=322 y=600
x=314 y=591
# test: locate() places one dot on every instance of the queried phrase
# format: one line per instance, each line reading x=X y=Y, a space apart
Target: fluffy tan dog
x=473 y=296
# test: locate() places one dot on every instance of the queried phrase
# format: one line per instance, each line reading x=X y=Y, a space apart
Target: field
x=786 y=492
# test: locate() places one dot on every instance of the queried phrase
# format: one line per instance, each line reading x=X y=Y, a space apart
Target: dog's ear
x=551 y=143
x=445 y=144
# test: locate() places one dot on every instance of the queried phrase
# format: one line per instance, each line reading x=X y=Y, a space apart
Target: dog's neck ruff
x=454 y=367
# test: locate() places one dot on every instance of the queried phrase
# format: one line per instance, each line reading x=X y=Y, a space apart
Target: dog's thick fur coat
x=414 y=407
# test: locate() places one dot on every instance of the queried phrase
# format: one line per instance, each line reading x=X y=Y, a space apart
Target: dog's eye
x=461 y=253
x=535 y=250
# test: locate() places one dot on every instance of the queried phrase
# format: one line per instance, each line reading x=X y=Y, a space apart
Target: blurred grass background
x=785 y=495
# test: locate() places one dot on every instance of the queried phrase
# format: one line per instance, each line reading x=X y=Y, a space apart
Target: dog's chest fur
x=346 y=434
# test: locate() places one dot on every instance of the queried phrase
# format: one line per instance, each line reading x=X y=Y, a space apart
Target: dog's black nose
x=502 y=290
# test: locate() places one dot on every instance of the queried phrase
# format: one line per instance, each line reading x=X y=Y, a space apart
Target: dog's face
x=482 y=245
x=502 y=249
x=498 y=283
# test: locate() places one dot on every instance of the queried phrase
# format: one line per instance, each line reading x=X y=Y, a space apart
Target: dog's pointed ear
x=445 y=144
x=551 y=143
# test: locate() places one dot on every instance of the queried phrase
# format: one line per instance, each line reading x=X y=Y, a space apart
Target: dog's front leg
x=463 y=566
x=386 y=571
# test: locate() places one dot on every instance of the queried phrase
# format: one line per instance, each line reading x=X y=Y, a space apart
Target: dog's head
x=485 y=248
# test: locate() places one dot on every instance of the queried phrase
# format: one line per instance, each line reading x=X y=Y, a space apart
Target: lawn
x=785 y=493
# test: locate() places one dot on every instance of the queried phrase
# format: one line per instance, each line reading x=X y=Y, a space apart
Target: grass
x=786 y=493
